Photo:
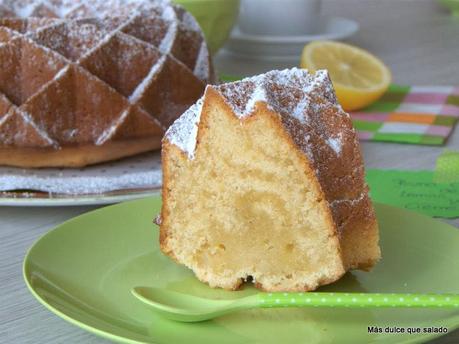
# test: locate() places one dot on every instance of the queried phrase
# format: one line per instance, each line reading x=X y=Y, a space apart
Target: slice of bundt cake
x=263 y=179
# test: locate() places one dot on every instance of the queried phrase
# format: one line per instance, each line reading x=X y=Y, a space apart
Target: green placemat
x=414 y=190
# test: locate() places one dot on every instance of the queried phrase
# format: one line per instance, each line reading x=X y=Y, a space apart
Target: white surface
x=270 y=47
x=417 y=39
x=90 y=185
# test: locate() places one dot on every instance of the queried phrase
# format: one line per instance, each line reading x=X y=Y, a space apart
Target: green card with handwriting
x=414 y=190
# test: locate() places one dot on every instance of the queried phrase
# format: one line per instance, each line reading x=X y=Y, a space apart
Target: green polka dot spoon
x=181 y=307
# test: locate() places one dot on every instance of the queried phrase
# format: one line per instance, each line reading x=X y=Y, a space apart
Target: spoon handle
x=357 y=300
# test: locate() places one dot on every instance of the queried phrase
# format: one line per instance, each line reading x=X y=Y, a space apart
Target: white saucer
x=282 y=47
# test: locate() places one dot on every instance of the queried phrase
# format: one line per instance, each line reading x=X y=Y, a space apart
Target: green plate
x=83 y=271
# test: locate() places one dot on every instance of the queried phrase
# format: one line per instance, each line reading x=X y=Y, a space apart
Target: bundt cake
x=83 y=82
x=263 y=180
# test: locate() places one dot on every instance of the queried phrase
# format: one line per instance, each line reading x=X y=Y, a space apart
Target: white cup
x=279 y=17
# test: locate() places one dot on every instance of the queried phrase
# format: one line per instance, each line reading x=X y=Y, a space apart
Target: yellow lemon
x=359 y=78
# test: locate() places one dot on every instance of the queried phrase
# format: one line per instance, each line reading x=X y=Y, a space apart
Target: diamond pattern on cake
x=152 y=30
x=70 y=39
x=16 y=128
x=22 y=76
x=133 y=122
x=109 y=61
x=5 y=106
x=93 y=71
x=172 y=101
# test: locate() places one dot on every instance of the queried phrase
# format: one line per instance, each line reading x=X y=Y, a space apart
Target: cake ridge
x=106 y=134
x=15 y=114
x=335 y=143
x=242 y=96
x=27 y=119
x=168 y=39
x=183 y=132
x=140 y=89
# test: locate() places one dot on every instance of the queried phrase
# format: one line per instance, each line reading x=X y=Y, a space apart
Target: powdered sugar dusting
x=138 y=172
x=287 y=92
x=25 y=11
x=95 y=38
x=138 y=92
x=27 y=119
x=335 y=143
x=169 y=14
x=184 y=131
x=169 y=38
x=61 y=73
x=351 y=201
x=189 y=22
x=258 y=95
x=111 y=130
x=202 y=70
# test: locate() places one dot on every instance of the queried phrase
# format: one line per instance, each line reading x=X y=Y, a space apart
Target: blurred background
x=418 y=39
